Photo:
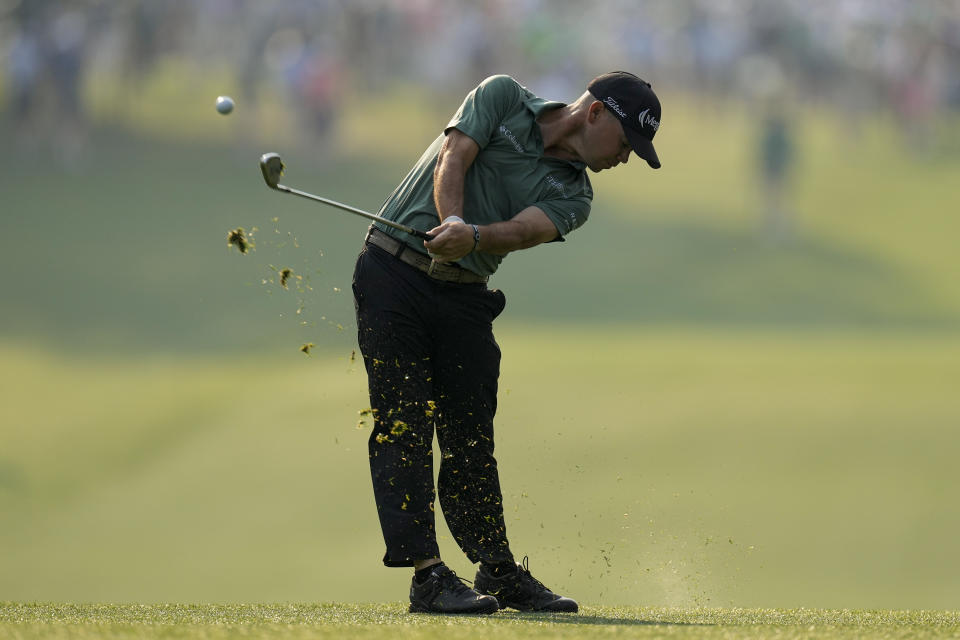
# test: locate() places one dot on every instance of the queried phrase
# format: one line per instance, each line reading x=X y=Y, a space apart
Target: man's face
x=607 y=145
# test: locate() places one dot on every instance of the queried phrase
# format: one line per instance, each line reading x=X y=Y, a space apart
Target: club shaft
x=355 y=211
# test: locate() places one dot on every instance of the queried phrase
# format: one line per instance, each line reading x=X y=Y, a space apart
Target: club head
x=272 y=168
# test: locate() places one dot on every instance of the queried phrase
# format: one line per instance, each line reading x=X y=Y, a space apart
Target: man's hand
x=451 y=241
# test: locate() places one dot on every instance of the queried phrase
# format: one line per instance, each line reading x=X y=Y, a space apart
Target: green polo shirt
x=509 y=174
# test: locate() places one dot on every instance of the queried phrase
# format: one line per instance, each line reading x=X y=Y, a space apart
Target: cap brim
x=642 y=147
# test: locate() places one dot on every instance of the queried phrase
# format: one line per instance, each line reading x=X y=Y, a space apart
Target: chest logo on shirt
x=512 y=138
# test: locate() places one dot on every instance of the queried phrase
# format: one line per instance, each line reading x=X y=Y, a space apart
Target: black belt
x=403 y=251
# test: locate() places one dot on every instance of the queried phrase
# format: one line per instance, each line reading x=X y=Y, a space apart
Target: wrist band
x=476 y=237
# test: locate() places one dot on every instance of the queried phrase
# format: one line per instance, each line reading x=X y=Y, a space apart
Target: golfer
x=509 y=172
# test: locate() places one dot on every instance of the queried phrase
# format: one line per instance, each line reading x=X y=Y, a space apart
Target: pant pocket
x=497 y=301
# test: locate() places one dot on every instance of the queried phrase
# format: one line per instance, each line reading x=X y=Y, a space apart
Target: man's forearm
x=501 y=238
x=527 y=229
x=448 y=188
x=450 y=174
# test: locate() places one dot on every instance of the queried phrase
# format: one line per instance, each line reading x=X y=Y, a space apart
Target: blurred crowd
x=857 y=55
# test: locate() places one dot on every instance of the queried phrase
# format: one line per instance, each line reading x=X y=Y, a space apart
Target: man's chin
x=601 y=166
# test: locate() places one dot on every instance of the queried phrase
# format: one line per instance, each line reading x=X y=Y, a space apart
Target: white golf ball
x=224 y=104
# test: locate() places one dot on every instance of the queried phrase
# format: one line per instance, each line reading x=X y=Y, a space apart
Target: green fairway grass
x=26 y=621
x=639 y=467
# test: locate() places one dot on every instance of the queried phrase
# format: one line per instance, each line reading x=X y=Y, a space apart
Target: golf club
x=272 y=168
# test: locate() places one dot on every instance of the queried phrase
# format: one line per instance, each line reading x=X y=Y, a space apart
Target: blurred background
x=736 y=386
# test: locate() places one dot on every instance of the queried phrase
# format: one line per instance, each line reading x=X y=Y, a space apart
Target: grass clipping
x=240 y=239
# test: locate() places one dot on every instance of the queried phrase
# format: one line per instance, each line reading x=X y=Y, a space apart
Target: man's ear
x=595 y=110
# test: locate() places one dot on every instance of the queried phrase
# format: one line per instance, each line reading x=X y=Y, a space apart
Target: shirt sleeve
x=567 y=214
x=485 y=107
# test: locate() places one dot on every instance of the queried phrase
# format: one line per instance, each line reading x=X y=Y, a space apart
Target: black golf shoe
x=444 y=592
x=520 y=590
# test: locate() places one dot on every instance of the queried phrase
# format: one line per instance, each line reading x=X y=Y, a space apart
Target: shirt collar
x=539 y=105
x=536 y=106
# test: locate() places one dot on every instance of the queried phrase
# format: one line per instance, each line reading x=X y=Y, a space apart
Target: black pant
x=432 y=365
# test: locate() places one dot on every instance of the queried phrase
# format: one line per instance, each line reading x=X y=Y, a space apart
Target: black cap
x=633 y=101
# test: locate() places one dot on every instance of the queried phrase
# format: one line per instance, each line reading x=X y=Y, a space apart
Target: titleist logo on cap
x=616 y=107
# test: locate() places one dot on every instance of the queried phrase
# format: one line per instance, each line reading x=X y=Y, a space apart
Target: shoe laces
x=524 y=570
x=450 y=580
